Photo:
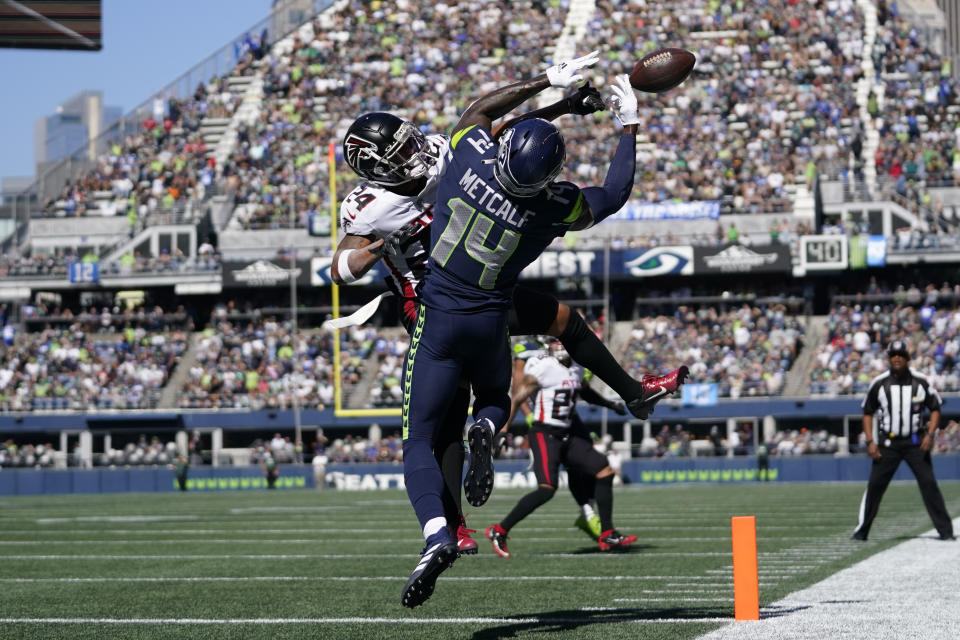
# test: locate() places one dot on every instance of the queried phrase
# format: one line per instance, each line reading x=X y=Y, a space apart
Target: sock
x=433 y=526
x=587 y=350
x=581 y=486
x=423 y=480
x=604 y=497
x=587 y=511
x=526 y=506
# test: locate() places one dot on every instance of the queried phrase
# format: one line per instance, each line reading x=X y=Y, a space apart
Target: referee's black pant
x=882 y=471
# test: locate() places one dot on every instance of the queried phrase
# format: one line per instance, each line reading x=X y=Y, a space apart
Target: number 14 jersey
x=480 y=239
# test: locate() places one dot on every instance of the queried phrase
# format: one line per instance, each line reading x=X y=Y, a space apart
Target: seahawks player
x=555 y=382
x=497 y=208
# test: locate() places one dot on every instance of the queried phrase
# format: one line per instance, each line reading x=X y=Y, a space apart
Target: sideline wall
x=511 y=473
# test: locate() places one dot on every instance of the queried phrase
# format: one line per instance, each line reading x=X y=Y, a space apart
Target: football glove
x=624 y=101
x=565 y=74
x=394 y=241
x=585 y=101
x=500 y=443
x=529 y=419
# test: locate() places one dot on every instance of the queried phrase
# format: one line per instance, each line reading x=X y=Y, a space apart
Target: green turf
x=309 y=557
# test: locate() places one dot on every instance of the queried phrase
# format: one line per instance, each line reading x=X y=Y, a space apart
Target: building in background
x=73 y=129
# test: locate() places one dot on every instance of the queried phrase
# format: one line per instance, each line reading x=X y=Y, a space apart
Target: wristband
x=343 y=266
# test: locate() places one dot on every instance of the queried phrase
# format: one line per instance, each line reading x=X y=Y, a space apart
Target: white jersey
x=372 y=210
x=553 y=403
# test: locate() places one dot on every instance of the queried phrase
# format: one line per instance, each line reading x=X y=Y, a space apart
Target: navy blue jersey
x=480 y=240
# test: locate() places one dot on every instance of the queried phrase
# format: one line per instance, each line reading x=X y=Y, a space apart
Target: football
x=662 y=70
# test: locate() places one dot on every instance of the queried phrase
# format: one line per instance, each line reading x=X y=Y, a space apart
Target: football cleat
x=656 y=389
x=498 y=540
x=437 y=556
x=613 y=539
x=590 y=527
x=478 y=482
x=465 y=544
x=858 y=536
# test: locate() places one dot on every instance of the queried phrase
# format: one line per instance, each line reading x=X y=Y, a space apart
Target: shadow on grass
x=551 y=622
x=634 y=548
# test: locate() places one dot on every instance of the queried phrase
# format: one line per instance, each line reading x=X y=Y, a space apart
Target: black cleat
x=437 y=556
x=478 y=484
x=656 y=389
x=947 y=536
x=859 y=536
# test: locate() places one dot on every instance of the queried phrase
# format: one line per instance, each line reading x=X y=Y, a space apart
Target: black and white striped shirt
x=898 y=403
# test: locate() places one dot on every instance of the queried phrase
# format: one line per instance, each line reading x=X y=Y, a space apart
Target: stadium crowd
x=67 y=369
x=745 y=351
x=859 y=332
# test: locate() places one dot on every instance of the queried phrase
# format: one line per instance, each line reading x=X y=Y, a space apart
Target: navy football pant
x=445 y=346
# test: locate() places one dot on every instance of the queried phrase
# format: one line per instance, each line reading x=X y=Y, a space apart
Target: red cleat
x=498 y=539
x=656 y=389
x=613 y=539
x=466 y=544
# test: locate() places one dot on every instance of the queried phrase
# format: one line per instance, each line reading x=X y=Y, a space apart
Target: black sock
x=527 y=505
x=587 y=350
x=604 y=495
x=581 y=487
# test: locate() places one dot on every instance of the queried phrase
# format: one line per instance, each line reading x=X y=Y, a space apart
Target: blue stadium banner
x=699 y=394
x=668 y=211
x=658 y=261
x=85 y=272
x=877 y=251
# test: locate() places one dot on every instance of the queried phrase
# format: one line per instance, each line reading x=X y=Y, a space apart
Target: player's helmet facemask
x=530 y=157
x=385 y=149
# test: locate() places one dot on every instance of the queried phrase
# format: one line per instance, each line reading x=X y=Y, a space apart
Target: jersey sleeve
x=351 y=219
x=932 y=401
x=870 y=402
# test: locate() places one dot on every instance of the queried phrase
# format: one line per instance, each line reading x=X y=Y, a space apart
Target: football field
x=310 y=564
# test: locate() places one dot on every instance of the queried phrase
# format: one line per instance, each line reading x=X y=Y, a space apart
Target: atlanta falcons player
x=388 y=216
x=557 y=381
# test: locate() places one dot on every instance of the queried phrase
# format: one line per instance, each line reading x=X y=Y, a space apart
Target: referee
x=897 y=398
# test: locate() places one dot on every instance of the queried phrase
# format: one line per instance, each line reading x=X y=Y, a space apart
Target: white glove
x=624 y=101
x=565 y=74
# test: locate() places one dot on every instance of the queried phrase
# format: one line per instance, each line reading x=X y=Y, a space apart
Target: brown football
x=662 y=70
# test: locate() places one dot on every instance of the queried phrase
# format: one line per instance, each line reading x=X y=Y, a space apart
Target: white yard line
x=533 y=621
x=909 y=591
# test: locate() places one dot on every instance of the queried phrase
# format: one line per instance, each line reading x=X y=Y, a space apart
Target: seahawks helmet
x=385 y=149
x=530 y=156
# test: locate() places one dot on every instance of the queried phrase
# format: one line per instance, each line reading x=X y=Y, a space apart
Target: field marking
x=907 y=591
x=547 y=620
x=63 y=520
x=566 y=578
x=341 y=556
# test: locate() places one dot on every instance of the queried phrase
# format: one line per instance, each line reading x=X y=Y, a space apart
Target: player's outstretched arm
x=604 y=201
x=502 y=101
x=583 y=101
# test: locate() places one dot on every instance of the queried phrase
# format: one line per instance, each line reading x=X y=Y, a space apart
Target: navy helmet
x=530 y=156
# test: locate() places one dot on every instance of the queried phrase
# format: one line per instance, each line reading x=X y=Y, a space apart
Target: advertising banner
x=668 y=211
x=658 y=261
x=736 y=258
x=262 y=273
